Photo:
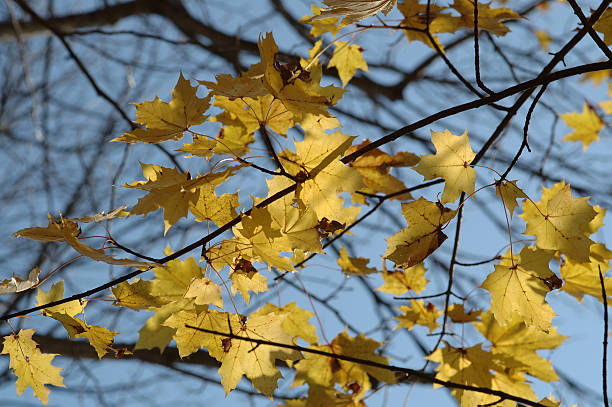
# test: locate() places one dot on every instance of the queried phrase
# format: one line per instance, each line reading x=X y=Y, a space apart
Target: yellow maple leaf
x=189 y=340
x=99 y=337
x=173 y=191
x=168 y=121
x=471 y=366
x=516 y=344
x=322 y=372
x=232 y=88
x=205 y=292
x=32 y=367
x=418 y=313
x=136 y=295
x=56 y=292
x=560 y=222
x=544 y=39
x=415 y=16
x=519 y=284
x=249 y=280
x=156 y=335
x=317 y=159
x=489 y=19
x=604 y=26
x=451 y=162
x=54 y=232
x=354 y=10
x=509 y=193
x=583 y=278
x=296 y=323
x=398 y=282
x=174 y=279
x=374 y=168
x=586 y=126
x=322 y=25
x=201 y=147
x=210 y=207
x=255 y=361
x=347 y=59
x=354 y=265
x=456 y=313
x=423 y=235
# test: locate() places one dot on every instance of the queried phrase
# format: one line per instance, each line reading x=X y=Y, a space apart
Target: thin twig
x=604 y=374
x=477 y=52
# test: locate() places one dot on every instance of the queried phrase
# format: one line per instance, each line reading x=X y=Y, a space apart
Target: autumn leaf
x=210 y=207
x=204 y=291
x=509 y=193
x=322 y=372
x=321 y=26
x=296 y=323
x=416 y=17
x=232 y=88
x=136 y=295
x=418 y=313
x=519 y=285
x=560 y=222
x=248 y=280
x=604 y=26
x=354 y=10
x=423 y=235
x=347 y=59
x=99 y=337
x=398 y=282
x=580 y=279
x=201 y=147
x=489 y=19
x=516 y=345
x=451 y=162
x=32 y=367
x=607 y=105
x=255 y=361
x=16 y=284
x=586 y=126
x=168 y=121
x=172 y=281
x=54 y=232
x=457 y=314
x=354 y=265
x=55 y=293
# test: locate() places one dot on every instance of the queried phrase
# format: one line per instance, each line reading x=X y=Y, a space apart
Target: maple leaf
x=354 y=265
x=322 y=372
x=54 y=232
x=354 y=10
x=174 y=279
x=210 y=207
x=509 y=193
x=471 y=366
x=32 y=367
x=451 y=162
x=515 y=344
x=103 y=216
x=519 y=285
x=296 y=323
x=232 y=88
x=317 y=159
x=374 y=168
x=423 y=235
x=456 y=313
x=255 y=361
x=250 y=280
x=56 y=292
x=168 y=121
x=418 y=313
x=201 y=147
x=16 y=284
x=583 y=278
x=604 y=26
x=205 y=292
x=156 y=335
x=189 y=340
x=99 y=337
x=415 y=16
x=321 y=26
x=489 y=19
x=560 y=222
x=136 y=295
x=347 y=59
x=586 y=126
x=398 y=282
x=172 y=190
